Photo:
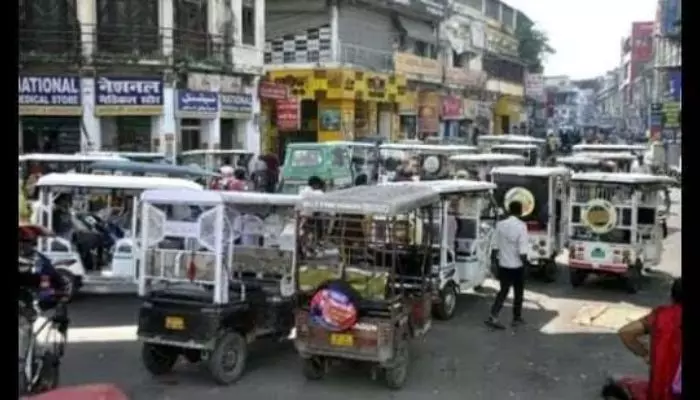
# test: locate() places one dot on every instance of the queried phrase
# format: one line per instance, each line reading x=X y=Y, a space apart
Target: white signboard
x=534 y=86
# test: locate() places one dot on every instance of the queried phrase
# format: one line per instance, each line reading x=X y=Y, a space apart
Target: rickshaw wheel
x=633 y=278
x=227 y=361
x=550 y=271
x=577 y=276
x=395 y=376
x=50 y=374
x=70 y=283
x=313 y=368
x=158 y=359
x=448 y=303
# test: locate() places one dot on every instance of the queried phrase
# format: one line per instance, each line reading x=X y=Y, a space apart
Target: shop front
x=50 y=109
x=127 y=113
x=198 y=123
x=508 y=106
x=429 y=103
x=236 y=115
x=344 y=104
x=408 y=116
x=278 y=113
x=453 y=123
x=423 y=94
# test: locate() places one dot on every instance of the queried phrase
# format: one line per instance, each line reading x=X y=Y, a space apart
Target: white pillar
x=211 y=133
x=252 y=127
x=237 y=10
x=335 y=35
x=91 y=123
x=20 y=144
x=87 y=17
x=163 y=127
x=166 y=22
x=260 y=24
x=216 y=17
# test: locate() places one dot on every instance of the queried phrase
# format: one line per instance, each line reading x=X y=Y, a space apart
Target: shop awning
x=418 y=30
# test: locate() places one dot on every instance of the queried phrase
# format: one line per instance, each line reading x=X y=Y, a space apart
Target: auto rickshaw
x=580 y=163
x=485 y=142
x=615 y=227
x=478 y=166
x=544 y=195
x=217 y=276
x=610 y=148
x=622 y=161
x=431 y=160
x=363 y=277
x=531 y=152
x=214 y=159
x=462 y=241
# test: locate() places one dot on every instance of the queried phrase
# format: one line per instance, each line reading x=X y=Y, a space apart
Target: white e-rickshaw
x=485 y=142
x=531 y=152
x=615 y=227
x=580 y=163
x=609 y=148
x=103 y=239
x=621 y=161
x=478 y=166
x=463 y=223
x=544 y=194
x=431 y=159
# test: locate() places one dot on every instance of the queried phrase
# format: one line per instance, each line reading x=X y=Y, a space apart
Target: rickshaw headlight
x=543 y=243
x=541 y=252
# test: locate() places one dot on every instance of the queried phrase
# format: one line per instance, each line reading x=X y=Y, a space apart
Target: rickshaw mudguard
x=190 y=319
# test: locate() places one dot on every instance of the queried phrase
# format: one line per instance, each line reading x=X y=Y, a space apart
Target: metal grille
x=619 y=195
x=49 y=27
x=191 y=36
x=128 y=27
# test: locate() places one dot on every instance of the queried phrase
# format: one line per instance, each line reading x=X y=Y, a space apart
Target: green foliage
x=533 y=47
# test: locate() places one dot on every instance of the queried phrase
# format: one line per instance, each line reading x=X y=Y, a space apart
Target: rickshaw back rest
x=173 y=265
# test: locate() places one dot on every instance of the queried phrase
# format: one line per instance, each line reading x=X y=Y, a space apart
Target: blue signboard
x=116 y=96
x=196 y=104
x=49 y=95
x=669 y=16
x=236 y=105
x=675 y=85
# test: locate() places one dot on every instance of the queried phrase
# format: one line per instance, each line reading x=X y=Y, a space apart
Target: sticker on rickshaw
x=598 y=253
x=599 y=216
x=523 y=196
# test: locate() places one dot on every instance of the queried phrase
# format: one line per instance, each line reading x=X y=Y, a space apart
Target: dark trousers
x=508 y=277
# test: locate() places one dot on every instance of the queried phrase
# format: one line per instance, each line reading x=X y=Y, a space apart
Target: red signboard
x=452 y=108
x=288 y=115
x=273 y=91
x=642 y=41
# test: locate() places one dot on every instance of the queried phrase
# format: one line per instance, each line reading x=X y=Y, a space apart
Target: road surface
x=563 y=353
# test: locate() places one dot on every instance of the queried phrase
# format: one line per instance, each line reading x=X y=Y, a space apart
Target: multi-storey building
x=395 y=69
x=636 y=52
x=667 y=51
x=139 y=75
x=609 y=99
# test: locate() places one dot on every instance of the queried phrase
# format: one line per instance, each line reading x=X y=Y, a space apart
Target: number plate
x=344 y=340
x=174 y=323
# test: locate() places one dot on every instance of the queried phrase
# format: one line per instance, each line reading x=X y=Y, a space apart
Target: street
x=563 y=352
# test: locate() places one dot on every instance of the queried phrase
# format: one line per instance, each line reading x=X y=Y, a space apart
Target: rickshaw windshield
x=306 y=157
x=194 y=159
x=538 y=189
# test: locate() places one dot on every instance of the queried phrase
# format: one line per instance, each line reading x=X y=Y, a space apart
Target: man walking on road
x=510 y=257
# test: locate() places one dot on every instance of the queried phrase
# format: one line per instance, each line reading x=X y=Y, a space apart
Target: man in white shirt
x=510 y=257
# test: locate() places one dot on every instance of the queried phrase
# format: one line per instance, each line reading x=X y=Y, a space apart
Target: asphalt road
x=564 y=352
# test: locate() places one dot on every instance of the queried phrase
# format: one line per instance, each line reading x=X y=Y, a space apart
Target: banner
x=671 y=114
x=534 y=86
x=288 y=115
x=675 y=85
x=272 y=91
x=452 y=108
x=49 y=95
x=117 y=96
x=236 y=105
x=642 y=41
x=194 y=104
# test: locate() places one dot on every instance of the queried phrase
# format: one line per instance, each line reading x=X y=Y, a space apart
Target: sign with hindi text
x=120 y=96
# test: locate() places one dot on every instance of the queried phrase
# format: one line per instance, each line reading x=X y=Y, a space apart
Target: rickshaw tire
x=158 y=359
x=397 y=375
x=440 y=311
x=215 y=359
x=550 y=271
x=50 y=374
x=577 y=277
x=633 y=278
x=70 y=278
x=313 y=368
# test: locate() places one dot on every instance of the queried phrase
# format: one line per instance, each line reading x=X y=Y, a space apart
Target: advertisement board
x=417 y=68
x=288 y=115
x=670 y=14
x=196 y=104
x=675 y=85
x=49 y=95
x=115 y=96
x=534 y=86
x=642 y=41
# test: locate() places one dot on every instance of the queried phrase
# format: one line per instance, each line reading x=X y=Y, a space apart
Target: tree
x=533 y=46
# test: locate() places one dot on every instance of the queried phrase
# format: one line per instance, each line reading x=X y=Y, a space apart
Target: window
x=503 y=69
x=248 y=21
x=492 y=8
x=305 y=158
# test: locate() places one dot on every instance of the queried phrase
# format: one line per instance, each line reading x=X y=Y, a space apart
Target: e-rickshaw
x=478 y=166
x=431 y=159
x=610 y=148
x=214 y=159
x=544 y=195
x=136 y=156
x=363 y=277
x=133 y=168
x=580 y=163
x=215 y=281
x=485 y=142
x=615 y=227
x=463 y=222
x=531 y=152
x=94 y=233
x=621 y=160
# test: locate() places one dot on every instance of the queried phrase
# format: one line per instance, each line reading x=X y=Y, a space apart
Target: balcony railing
x=127 y=42
x=201 y=47
x=50 y=45
x=364 y=57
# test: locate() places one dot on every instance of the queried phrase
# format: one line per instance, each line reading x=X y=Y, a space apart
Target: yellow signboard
x=57 y=111
x=671 y=112
x=418 y=68
x=127 y=110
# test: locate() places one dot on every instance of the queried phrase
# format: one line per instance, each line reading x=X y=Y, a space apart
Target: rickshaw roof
x=115 y=182
x=215 y=152
x=512 y=138
x=578 y=160
x=144 y=167
x=621 y=178
x=128 y=154
x=333 y=143
x=515 y=146
x=184 y=196
x=609 y=156
x=610 y=146
x=442 y=148
x=381 y=199
x=531 y=171
x=451 y=186
x=486 y=157
x=48 y=157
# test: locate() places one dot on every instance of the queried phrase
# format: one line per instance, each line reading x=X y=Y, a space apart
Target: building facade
x=139 y=75
x=397 y=69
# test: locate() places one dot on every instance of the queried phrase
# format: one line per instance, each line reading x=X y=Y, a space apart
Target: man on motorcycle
x=44 y=278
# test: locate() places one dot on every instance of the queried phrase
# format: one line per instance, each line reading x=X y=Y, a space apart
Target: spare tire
x=334 y=305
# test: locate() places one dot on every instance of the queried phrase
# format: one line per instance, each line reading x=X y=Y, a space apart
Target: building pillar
x=87 y=17
x=166 y=22
x=211 y=133
x=91 y=137
x=217 y=14
x=237 y=11
x=252 y=127
x=163 y=127
x=335 y=35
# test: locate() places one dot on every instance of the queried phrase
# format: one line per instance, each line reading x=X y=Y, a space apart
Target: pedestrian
x=510 y=259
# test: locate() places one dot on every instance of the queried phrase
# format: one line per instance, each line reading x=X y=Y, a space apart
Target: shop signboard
x=197 y=104
x=452 y=108
x=288 y=115
x=534 y=86
x=670 y=15
x=122 y=96
x=671 y=115
x=655 y=118
x=49 y=95
x=272 y=91
x=675 y=85
x=418 y=68
x=236 y=105
x=465 y=77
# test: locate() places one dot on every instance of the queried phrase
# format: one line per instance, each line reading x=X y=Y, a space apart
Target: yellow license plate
x=174 y=323
x=338 y=339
